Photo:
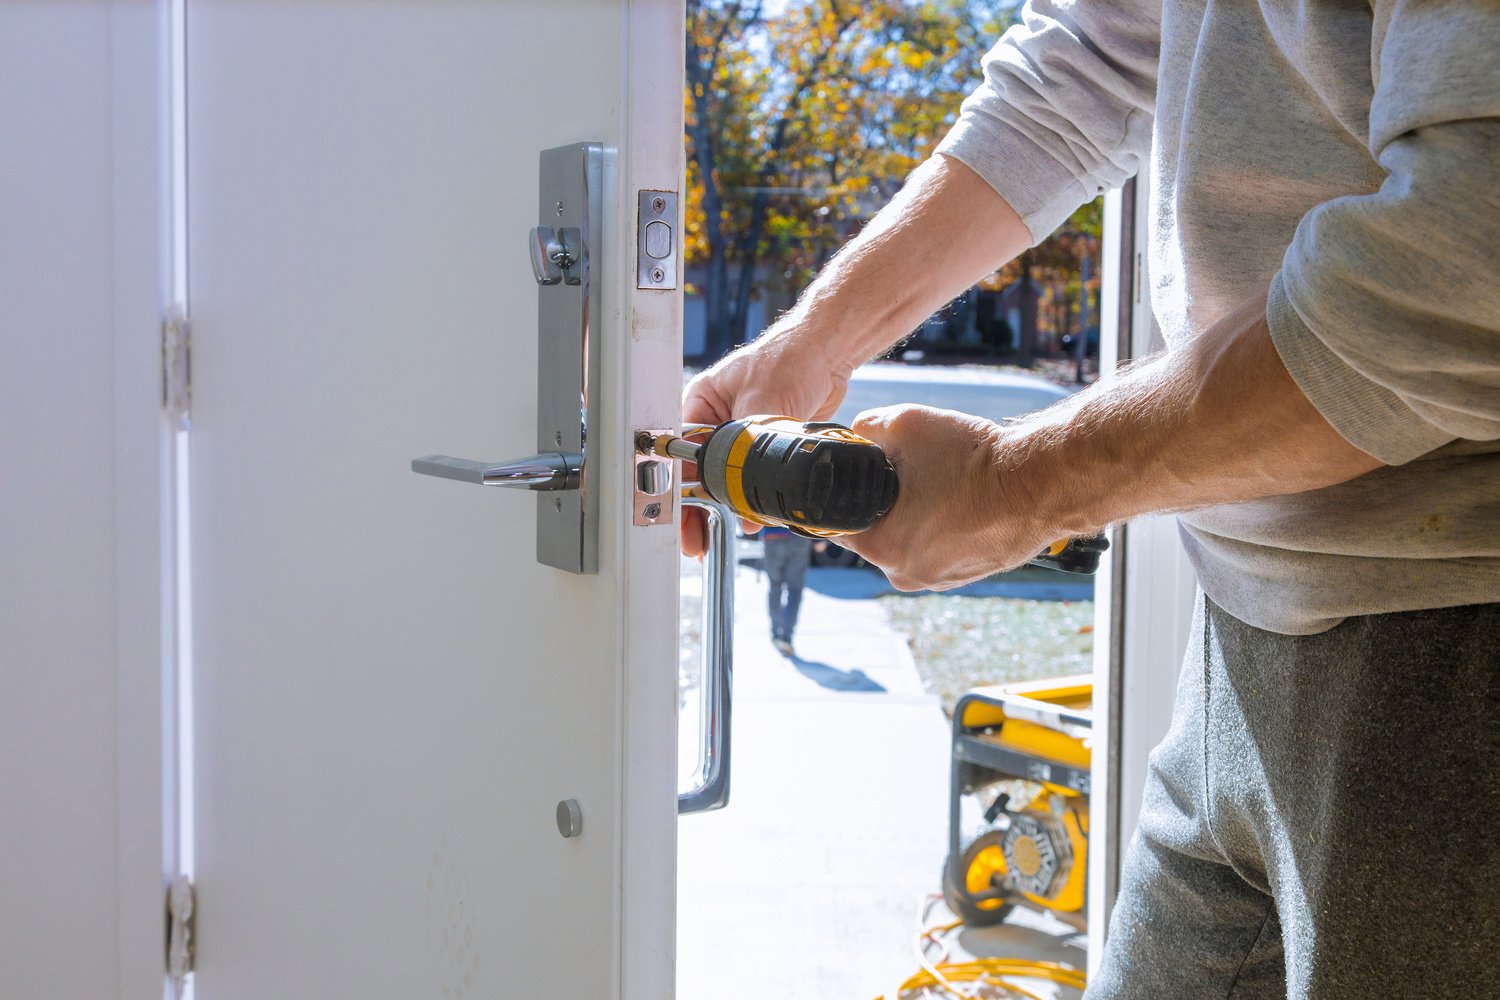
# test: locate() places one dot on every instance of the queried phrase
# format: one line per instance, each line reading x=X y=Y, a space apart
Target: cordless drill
x=819 y=479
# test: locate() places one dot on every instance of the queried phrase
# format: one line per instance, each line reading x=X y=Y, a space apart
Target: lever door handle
x=547 y=472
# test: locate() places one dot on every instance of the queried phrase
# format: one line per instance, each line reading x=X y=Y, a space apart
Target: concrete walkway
x=808 y=884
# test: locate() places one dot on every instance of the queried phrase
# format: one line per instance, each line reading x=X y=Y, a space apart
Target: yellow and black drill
x=818 y=479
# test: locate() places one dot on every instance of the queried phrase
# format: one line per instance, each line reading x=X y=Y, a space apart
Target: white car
x=983 y=392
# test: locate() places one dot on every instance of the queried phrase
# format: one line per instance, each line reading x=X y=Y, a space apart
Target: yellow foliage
x=801 y=126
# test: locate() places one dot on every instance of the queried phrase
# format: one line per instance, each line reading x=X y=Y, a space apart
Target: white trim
x=1158 y=585
x=137 y=47
x=651 y=333
x=177 y=611
x=1102 y=817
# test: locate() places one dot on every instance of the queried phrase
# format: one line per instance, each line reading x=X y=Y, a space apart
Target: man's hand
x=958 y=516
x=775 y=375
x=944 y=230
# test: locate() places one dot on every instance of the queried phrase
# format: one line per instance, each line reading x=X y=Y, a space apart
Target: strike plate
x=656 y=240
x=655 y=478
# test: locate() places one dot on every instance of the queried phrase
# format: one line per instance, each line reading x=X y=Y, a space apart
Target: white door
x=391 y=696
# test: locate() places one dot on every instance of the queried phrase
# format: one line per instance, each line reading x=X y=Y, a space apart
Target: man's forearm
x=1218 y=421
x=944 y=231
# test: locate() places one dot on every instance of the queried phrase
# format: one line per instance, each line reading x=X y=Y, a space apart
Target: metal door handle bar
x=546 y=472
x=712 y=789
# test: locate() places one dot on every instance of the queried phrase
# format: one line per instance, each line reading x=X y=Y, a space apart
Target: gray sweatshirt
x=1349 y=153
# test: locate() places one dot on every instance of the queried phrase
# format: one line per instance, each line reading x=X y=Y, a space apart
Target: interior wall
x=80 y=804
x=57 y=711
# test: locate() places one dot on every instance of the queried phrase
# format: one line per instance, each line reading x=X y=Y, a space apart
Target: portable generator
x=1018 y=810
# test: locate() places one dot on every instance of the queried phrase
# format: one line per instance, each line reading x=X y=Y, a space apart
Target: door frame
x=1143 y=593
x=653 y=161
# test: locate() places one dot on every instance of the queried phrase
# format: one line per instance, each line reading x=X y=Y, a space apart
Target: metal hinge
x=181 y=904
x=177 y=368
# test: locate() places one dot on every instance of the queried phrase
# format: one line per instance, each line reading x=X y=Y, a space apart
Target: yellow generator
x=1018 y=810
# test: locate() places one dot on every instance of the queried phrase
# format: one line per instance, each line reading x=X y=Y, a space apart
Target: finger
x=694 y=532
x=703 y=403
x=876 y=425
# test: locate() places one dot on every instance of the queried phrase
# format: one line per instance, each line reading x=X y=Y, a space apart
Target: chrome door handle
x=546 y=472
x=568 y=259
x=711 y=791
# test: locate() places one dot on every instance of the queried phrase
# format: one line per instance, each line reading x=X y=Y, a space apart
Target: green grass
x=964 y=642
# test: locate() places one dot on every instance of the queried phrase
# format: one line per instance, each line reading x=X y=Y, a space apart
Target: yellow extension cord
x=939 y=977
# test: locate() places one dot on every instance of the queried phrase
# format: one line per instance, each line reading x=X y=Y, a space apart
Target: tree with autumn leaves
x=803 y=118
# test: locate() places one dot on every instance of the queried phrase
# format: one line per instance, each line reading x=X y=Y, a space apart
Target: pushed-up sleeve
x=1066 y=107
x=1386 y=311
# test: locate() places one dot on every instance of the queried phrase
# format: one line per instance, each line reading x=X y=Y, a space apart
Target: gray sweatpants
x=1323 y=819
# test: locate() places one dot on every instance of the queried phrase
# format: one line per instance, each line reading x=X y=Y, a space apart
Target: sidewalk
x=806 y=885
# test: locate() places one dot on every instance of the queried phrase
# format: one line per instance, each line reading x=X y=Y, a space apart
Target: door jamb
x=648 y=332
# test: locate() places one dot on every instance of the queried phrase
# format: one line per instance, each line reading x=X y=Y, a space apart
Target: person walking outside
x=1322 y=821
x=787 y=556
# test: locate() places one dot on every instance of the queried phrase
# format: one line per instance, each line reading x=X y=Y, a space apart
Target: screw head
x=657 y=274
x=652 y=511
x=559 y=208
x=658 y=204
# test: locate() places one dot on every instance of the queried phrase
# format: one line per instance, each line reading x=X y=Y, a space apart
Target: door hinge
x=181 y=923
x=177 y=368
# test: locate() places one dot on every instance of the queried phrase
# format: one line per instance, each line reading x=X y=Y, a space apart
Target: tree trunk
x=718 y=338
x=749 y=258
x=1026 y=355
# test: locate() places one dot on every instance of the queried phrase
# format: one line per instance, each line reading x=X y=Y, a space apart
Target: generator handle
x=1074 y=722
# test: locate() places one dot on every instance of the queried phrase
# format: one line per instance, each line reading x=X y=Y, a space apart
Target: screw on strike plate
x=658 y=204
x=651 y=511
x=657 y=274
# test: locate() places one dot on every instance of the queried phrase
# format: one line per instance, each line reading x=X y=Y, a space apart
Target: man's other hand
x=959 y=515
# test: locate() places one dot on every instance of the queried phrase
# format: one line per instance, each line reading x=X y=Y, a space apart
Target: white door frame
x=83 y=706
x=648 y=810
x=1143 y=594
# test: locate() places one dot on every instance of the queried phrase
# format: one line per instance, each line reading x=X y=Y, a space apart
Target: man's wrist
x=816 y=339
x=1042 y=480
